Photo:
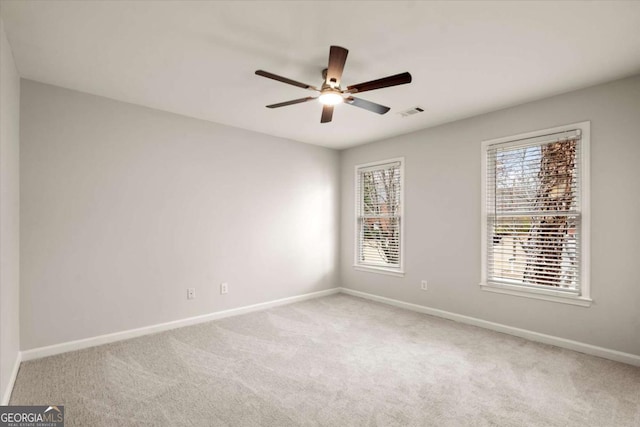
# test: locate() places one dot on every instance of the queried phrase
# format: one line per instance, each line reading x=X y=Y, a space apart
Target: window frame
x=391 y=271
x=584 y=297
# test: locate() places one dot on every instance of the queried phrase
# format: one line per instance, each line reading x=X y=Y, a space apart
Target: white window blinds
x=378 y=210
x=534 y=212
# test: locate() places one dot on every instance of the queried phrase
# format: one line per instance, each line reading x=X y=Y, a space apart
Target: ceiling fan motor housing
x=333 y=83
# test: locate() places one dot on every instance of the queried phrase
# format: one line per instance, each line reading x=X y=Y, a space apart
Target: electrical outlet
x=423 y=285
x=224 y=288
x=191 y=293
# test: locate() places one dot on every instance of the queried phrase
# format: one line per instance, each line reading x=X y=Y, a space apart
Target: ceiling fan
x=331 y=93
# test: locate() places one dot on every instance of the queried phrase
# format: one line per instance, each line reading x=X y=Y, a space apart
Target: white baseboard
x=37 y=353
x=14 y=373
x=618 y=356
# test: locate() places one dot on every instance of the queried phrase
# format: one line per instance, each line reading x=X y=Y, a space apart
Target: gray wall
x=125 y=207
x=442 y=217
x=9 y=211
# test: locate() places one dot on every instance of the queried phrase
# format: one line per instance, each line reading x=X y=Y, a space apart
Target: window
x=535 y=215
x=379 y=217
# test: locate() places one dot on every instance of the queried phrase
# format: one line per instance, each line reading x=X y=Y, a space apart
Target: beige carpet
x=333 y=361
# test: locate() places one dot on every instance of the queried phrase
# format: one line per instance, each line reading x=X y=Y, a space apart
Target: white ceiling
x=198 y=58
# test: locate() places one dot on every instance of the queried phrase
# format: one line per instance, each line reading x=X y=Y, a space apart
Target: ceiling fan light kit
x=331 y=93
x=330 y=97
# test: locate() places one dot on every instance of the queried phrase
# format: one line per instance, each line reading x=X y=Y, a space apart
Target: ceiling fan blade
x=367 y=105
x=337 y=58
x=294 y=101
x=398 y=79
x=284 y=79
x=327 y=113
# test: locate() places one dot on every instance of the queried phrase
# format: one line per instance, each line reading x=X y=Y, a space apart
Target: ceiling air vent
x=411 y=111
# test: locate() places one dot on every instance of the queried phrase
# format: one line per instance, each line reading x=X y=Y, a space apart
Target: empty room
x=319 y=213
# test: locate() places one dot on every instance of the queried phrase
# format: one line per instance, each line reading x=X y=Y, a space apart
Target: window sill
x=553 y=296
x=379 y=270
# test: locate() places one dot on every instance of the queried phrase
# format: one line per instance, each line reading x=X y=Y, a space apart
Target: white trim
x=618 y=356
x=536 y=133
x=40 y=352
x=536 y=294
x=380 y=163
x=37 y=353
x=585 y=210
x=379 y=270
x=399 y=271
x=12 y=380
x=585 y=219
